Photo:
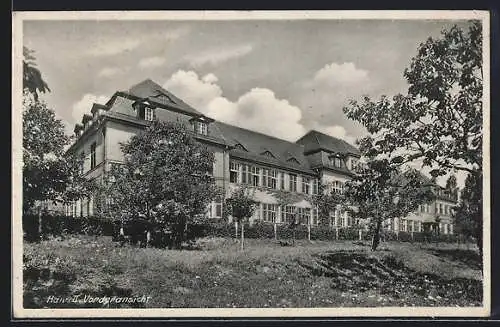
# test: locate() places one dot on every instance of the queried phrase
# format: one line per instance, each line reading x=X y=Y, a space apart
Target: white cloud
x=328 y=90
x=84 y=105
x=151 y=62
x=112 y=47
x=218 y=55
x=258 y=109
x=339 y=76
x=210 y=78
x=191 y=89
x=110 y=71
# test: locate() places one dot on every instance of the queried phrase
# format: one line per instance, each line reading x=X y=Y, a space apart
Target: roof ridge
x=260 y=133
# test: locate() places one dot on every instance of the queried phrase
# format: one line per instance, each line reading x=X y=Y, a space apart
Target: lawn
x=265 y=274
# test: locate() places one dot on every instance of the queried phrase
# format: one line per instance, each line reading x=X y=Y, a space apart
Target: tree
x=32 y=77
x=287 y=198
x=439 y=120
x=241 y=206
x=326 y=201
x=381 y=192
x=165 y=179
x=48 y=173
x=468 y=214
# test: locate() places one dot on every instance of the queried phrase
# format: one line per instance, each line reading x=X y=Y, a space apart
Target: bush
x=57 y=225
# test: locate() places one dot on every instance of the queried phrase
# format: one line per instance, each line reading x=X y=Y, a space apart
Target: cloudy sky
x=278 y=77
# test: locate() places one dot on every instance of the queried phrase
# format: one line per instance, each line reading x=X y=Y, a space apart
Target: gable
x=268 y=153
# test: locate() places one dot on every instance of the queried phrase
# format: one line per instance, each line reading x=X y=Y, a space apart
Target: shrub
x=57 y=225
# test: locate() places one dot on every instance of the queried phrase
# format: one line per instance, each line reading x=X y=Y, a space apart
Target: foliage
x=469 y=212
x=439 y=120
x=61 y=226
x=48 y=173
x=382 y=191
x=166 y=179
x=241 y=204
x=32 y=77
x=326 y=202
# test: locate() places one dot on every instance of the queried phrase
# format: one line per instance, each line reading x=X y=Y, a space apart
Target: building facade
x=242 y=157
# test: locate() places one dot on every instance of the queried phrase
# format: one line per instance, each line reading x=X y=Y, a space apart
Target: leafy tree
x=381 y=192
x=46 y=172
x=287 y=198
x=326 y=201
x=439 y=120
x=166 y=179
x=49 y=175
x=32 y=77
x=468 y=214
x=241 y=206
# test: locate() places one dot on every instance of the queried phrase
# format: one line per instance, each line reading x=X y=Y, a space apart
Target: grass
x=265 y=274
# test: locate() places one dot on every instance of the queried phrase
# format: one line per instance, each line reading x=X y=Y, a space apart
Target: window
x=269 y=178
x=338 y=187
x=288 y=214
x=218 y=209
x=293 y=183
x=336 y=162
x=403 y=227
x=268 y=154
x=304 y=215
x=314 y=216
x=92 y=155
x=440 y=208
x=246 y=176
x=282 y=180
x=306 y=185
x=234 y=172
x=200 y=127
x=148 y=114
x=269 y=212
x=255 y=176
x=315 y=186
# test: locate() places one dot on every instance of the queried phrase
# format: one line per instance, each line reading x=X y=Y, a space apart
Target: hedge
x=56 y=225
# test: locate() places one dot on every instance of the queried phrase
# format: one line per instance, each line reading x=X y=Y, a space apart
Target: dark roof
x=257 y=144
x=314 y=141
x=153 y=92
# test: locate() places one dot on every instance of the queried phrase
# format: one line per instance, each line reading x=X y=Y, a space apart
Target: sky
x=281 y=78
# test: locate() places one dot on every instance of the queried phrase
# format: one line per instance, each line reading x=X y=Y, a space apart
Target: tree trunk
x=40 y=223
x=242 y=236
x=275 y=232
x=236 y=229
x=309 y=232
x=376 y=235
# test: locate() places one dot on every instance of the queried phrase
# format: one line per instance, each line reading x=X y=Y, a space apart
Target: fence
x=59 y=224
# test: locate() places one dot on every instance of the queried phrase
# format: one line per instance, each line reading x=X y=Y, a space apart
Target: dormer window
x=200 y=127
x=267 y=154
x=336 y=162
x=148 y=114
x=145 y=110
x=239 y=147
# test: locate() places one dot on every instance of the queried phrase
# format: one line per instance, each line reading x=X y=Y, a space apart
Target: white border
x=17 y=237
